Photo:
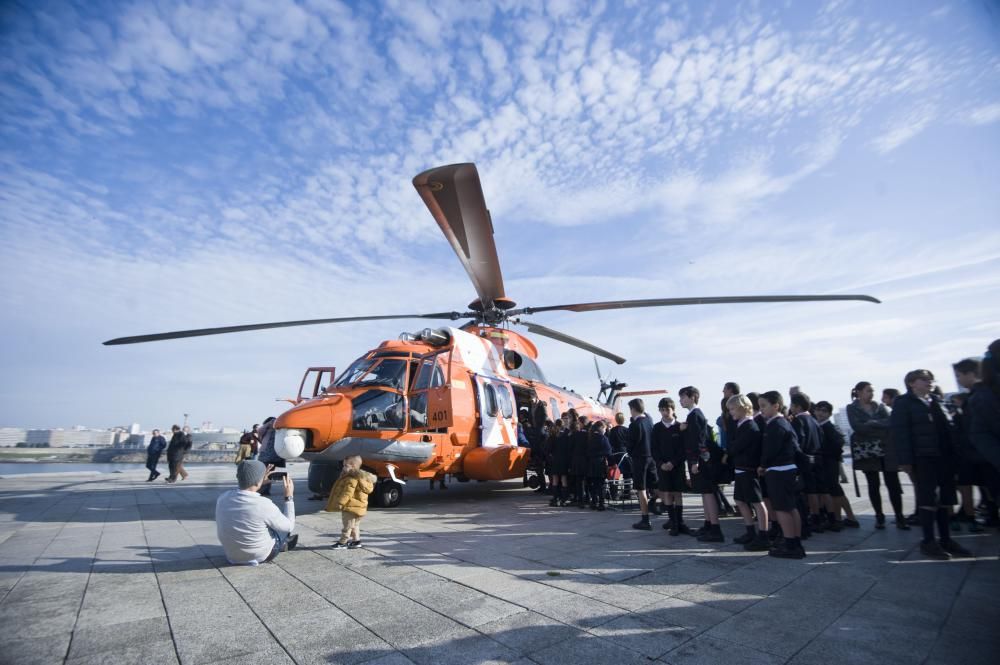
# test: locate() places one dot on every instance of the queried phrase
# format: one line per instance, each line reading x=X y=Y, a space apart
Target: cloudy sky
x=178 y=165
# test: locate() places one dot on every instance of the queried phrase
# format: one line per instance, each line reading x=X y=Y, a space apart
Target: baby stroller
x=619 y=485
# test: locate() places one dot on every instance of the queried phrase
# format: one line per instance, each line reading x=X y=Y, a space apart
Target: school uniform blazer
x=562 y=452
x=598 y=452
x=618 y=436
x=640 y=437
x=779 y=444
x=746 y=446
x=833 y=441
x=919 y=430
x=983 y=413
x=578 y=457
x=695 y=436
x=668 y=444
x=807 y=430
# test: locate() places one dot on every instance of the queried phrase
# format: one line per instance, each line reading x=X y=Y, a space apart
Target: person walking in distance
x=175 y=452
x=156 y=445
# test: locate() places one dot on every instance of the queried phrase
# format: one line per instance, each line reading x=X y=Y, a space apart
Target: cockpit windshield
x=387 y=372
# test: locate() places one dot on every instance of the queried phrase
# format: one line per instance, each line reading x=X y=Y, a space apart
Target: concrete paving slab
x=443 y=579
x=706 y=650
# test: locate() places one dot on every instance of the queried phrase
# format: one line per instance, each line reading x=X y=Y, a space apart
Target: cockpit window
x=386 y=372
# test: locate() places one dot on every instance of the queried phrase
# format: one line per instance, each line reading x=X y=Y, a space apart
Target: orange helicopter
x=445 y=400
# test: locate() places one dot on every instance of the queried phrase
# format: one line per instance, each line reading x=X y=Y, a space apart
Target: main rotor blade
x=562 y=337
x=200 y=332
x=673 y=302
x=455 y=199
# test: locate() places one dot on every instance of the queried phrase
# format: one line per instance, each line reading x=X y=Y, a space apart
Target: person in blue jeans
x=250 y=527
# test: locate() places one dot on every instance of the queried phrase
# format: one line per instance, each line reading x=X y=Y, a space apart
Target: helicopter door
x=496 y=413
x=430 y=394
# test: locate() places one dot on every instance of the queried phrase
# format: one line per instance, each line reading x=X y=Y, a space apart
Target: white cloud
x=903 y=130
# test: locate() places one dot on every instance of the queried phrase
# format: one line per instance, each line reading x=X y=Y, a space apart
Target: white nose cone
x=290 y=446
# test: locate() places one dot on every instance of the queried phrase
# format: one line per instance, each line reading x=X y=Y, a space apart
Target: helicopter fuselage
x=435 y=403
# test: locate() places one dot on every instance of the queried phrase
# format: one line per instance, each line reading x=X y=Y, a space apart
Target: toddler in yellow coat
x=350 y=496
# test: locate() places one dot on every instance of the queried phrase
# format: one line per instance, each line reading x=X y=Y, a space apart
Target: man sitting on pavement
x=250 y=527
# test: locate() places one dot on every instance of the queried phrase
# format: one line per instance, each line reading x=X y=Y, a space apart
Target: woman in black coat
x=598 y=453
x=872 y=451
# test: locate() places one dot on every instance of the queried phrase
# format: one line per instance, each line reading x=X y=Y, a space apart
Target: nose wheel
x=387 y=493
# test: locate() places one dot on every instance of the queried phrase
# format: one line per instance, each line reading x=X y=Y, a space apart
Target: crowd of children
x=785 y=461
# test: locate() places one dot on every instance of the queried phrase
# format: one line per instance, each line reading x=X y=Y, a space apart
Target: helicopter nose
x=326 y=419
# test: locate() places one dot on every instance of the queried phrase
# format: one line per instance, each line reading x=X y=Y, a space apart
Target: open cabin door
x=314 y=381
x=430 y=393
x=496 y=412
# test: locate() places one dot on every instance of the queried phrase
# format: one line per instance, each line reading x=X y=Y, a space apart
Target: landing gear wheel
x=387 y=493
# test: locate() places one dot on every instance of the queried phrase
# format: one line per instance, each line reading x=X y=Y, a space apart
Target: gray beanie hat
x=250 y=472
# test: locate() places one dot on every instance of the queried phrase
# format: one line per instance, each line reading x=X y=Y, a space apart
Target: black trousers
x=891 y=484
x=152 y=459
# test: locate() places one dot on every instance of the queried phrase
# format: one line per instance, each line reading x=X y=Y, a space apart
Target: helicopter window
x=377 y=409
x=491 y=400
x=506 y=407
x=555 y=407
x=528 y=370
x=430 y=376
x=389 y=372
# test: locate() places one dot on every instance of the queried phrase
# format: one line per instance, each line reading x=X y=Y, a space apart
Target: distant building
x=70 y=438
x=11 y=436
x=134 y=429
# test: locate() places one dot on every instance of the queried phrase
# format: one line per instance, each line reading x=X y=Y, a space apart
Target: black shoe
x=643 y=524
x=354 y=544
x=600 y=507
x=975 y=527
x=745 y=538
x=913 y=520
x=554 y=502
x=668 y=525
x=713 y=535
x=955 y=550
x=786 y=553
x=880 y=521
x=901 y=524
x=683 y=529
x=851 y=524
x=834 y=526
x=338 y=546
x=817 y=525
x=934 y=551
x=291 y=543
x=759 y=544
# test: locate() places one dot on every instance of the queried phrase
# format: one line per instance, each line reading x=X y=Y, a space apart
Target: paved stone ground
x=110 y=569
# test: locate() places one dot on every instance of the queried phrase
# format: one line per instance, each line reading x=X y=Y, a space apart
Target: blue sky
x=179 y=165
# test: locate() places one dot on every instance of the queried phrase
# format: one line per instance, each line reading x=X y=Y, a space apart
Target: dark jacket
x=870 y=431
x=745 y=447
x=983 y=412
x=640 y=437
x=919 y=430
x=618 y=436
x=179 y=444
x=807 y=431
x=156 y=445
x=833 y=441
x=578 y=457
x=668 y=444
x=696 y=437
x=598 y=452
x=779 y=444
x=562 y=452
